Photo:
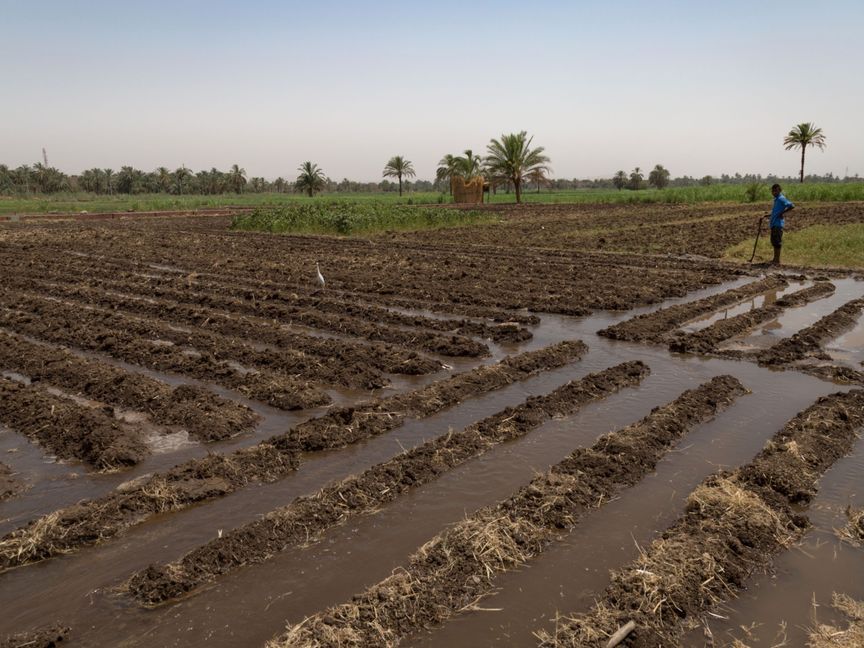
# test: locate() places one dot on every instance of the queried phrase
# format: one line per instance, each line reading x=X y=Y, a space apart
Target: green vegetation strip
x=656 y=326
x=459 y=566
x=706 y=340
x=820 y=245
x=307 y=518
x=197 y=480
x=343 y=217
x=734 y=522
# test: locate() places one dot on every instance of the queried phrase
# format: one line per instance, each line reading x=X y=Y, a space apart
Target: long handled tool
x=758 y=232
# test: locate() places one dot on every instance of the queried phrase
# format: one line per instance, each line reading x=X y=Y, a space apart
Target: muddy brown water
x=253 y=604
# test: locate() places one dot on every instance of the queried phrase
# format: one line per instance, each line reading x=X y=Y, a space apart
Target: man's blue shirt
x=781 y=204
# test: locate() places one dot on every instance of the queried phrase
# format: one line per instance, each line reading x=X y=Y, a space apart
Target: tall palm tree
x=108 y=174
x=446 y=170
x=468 y=165
x=512 y=158
x=163 y=179
x=397 y=167
x=181 y=175
x=802 y=136
x=237 y=178
x=310 y=180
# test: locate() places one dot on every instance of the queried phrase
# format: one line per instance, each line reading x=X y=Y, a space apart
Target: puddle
x=848 y=349
x=794 y=319
x=763 y=299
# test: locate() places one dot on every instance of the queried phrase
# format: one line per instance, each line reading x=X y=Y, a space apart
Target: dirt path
x=735 y=522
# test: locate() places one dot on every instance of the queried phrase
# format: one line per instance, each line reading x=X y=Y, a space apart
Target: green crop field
x=352 y=217
x=77 y=202
x=821 y=245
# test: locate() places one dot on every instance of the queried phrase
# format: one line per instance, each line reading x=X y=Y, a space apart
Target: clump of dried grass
x=853 y=532
x=31 y=542
x=828 y=636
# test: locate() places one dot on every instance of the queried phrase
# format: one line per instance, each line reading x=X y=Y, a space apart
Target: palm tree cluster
x=38 y=178
x=509 y=160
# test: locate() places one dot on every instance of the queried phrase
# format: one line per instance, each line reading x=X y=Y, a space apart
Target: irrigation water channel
x=253 y=604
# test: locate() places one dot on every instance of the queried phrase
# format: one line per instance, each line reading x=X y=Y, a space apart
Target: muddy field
x=523 y=433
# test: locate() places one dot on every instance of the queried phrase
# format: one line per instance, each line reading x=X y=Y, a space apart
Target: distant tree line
x=41 y=179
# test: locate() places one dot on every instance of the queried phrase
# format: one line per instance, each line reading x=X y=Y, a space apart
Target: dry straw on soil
x=853 y=532
x=198 y=480
x=733 y=524
x=852 y=636
x=308 y=517
x=451 y=572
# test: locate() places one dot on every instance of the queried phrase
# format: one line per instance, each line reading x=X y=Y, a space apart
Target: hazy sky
x=702 y=88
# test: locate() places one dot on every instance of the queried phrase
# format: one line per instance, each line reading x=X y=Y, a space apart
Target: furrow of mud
x=23 y=256
x=706 y=340
x=107 y=313
x=656 y=326
x=10 y=484
x=121 y=338
x=345 y=425
x=267 y=331
x=809 y=341
x=197 y=480
x=50 y=637
x=203 y=414
x=292 y=306
x=308 y=517
x=68 y=430
x=459 y=566
x=175 y=304
x=734 y=523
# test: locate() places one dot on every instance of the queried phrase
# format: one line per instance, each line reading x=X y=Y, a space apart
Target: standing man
x=781 y=205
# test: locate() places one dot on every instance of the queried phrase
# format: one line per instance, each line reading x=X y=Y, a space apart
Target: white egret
x=320 y=277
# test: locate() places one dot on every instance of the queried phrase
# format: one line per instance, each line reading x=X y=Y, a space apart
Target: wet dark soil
x=457 y=568
x=93 y=521
x=68 y=430
x=53 y=637
x=734 y=523
x=10 y=484
x=304 y=520
x=658 y=325
x=203 y=414
x=706 y=340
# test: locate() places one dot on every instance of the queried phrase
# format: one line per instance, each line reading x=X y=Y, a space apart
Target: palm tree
x=108 y=174
x=181 y=175
x=237 y=178
x=310 y=180
x=397 y=167
x=446 y=170
x=539 y=176
x=279 y=184
x=468 y=165
x=659 y=177
x=512 y=158
x=163 y=179
x=619 y=180
x=802 y=136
